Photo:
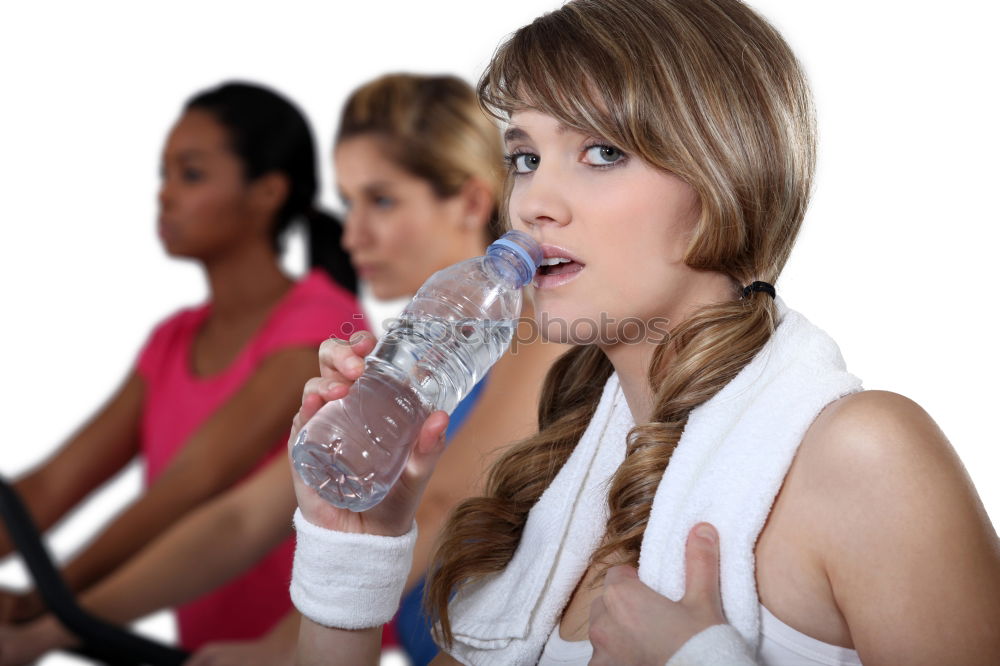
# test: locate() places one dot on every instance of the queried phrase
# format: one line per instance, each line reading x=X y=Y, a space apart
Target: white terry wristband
x=719 y=645
x=348 y=581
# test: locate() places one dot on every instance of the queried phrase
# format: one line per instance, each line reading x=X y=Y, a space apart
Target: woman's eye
x=603 y=155
x=192 y=175
x=384 y=202
x=524 y=162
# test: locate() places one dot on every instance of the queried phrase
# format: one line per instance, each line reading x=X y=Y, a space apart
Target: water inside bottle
x=445 y=358
x=352 y=455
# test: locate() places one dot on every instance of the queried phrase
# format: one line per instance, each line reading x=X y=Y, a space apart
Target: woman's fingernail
x=357 y=337
x=706 y=533
x=355 y=364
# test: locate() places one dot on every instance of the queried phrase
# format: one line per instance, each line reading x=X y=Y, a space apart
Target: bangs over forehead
x=568 y=64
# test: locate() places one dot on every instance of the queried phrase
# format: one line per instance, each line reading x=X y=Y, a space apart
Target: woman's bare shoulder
x=870 y=430
x=877 y=446
x=905 y=540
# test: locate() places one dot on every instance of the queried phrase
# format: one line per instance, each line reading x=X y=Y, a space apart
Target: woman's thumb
x=702 y=565
x=430 y=443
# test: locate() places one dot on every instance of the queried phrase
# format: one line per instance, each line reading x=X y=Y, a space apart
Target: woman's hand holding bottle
x=341 y=363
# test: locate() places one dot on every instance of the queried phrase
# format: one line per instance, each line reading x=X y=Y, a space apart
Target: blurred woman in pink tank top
x=215 y=386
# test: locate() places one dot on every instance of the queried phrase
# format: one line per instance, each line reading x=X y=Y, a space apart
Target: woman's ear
x=478 y=203
x=268 y=194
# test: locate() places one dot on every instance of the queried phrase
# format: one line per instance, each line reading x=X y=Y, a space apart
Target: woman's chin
x=173 y=251
x=381 y=290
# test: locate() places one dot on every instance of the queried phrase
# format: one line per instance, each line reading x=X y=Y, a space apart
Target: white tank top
x=780 y=645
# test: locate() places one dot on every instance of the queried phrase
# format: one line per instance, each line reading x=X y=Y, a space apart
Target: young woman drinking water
x=665 y=149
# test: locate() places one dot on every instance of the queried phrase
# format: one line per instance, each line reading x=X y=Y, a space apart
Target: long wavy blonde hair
x=706 y=90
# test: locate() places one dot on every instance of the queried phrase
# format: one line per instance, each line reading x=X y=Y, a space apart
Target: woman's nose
x=352 y=238
x=164 y=196
x=539 y=199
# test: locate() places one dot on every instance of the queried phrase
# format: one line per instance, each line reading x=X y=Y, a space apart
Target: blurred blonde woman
x=722 y=494
x=420 y=170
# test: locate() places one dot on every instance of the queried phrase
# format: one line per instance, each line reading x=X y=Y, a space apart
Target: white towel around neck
x=727 y=470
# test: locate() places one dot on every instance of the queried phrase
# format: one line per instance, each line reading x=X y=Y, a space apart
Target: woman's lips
x=569 y=272
x=365 y=271
x=165 y=229
x=555 y=275
x=549 y=251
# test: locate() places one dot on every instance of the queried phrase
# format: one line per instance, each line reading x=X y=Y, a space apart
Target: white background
x=896 y=259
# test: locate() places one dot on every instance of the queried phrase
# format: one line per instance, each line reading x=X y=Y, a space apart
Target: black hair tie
x=758 y=286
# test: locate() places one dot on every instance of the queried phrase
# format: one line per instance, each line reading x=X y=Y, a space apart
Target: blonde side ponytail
x=708 y=350
x=483 y=532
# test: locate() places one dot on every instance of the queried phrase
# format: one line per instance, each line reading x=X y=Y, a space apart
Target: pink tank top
x=177 y=403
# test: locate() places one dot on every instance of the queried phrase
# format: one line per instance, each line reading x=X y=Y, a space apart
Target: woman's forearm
x=44 y=510
x=166 y=572
x=203 y=551
x=127 y=534
x=317 y=643
x=283 y=638
x=217 y=455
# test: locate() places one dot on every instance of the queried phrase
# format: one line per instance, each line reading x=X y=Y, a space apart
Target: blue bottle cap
x=524 y=245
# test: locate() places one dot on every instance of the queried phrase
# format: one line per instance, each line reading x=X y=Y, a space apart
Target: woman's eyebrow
x=515 y=134
x=377 y=187
x=518 y=134
x=190 y=155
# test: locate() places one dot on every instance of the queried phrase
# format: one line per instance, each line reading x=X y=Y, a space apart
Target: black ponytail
x=325 y=251
x=270 y=135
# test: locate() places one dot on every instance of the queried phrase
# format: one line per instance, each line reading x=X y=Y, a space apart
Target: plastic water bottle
x=456 y=327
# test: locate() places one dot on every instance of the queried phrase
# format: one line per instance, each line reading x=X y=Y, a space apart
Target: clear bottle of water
x=456 y=327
